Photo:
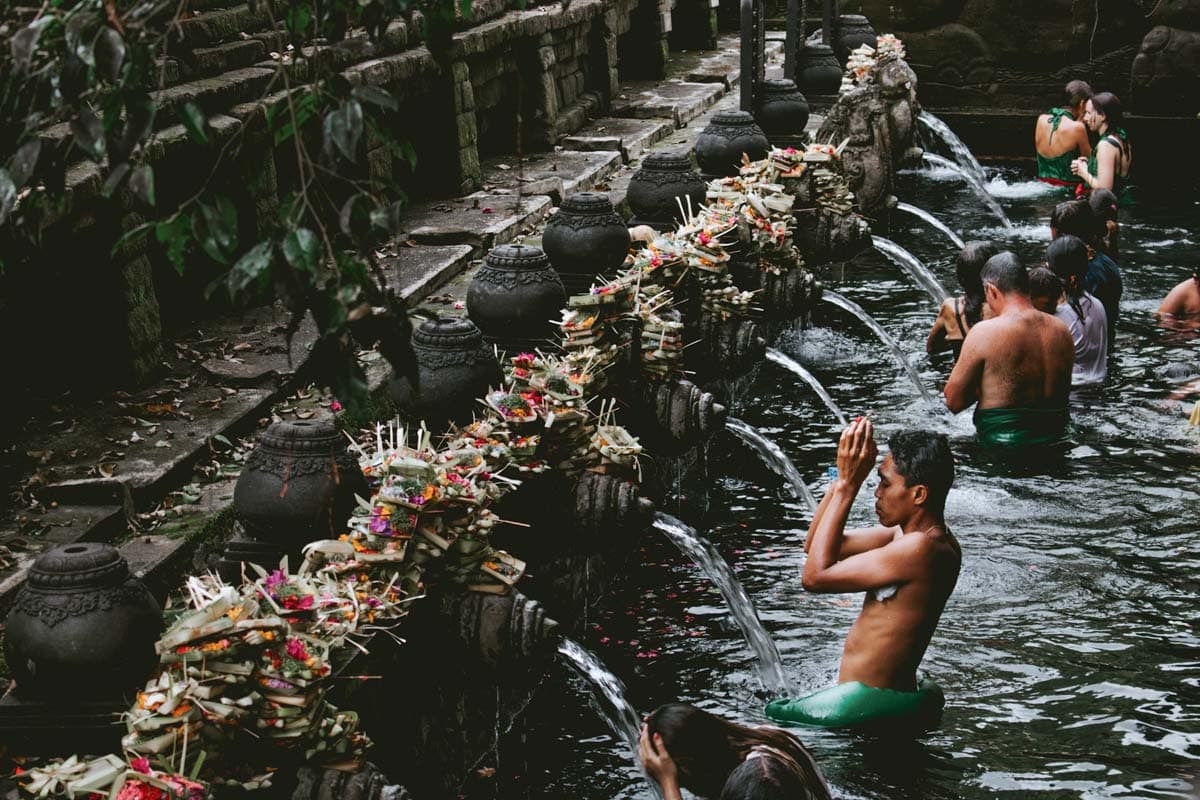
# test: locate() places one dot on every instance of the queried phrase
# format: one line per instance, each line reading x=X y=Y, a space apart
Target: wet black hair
x=924 y=458
x=765 y=778
x=1077 y=92
x=1067 y=257
x=707 y=750
x=1103 y=204
x=1006 y=272
x=967 y=266
x=1044 y=283
x=1109 y=105
x=1074 y=217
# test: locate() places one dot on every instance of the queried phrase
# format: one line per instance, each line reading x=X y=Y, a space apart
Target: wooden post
x=795 y=27
x=828 y=21
x=751 y=53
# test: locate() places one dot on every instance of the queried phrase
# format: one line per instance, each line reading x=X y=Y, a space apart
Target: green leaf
x=141 y=183
x=89 y=134
x=24 y=161
x=301 y=248
x=175 y=233
x=110 y=54
x=298 y=18
x=304 y=108
x=114 y=179
x=464 y=9
x=376 y=96
x=194 y=123
x=252 y=268
x=140 y=111
x=215 y=228
x=80 y=40
x=8 y=195
x=343 y=127
x=24 y=43
x=388 y=218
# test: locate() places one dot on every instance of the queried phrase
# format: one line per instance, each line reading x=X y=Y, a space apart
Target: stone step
x=630 y=137
x=679 y=101
x=417 y=272
x=58 y=526
x=556 y=174
x=481 y=220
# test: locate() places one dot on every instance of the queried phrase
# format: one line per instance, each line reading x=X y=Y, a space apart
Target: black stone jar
x=817 y=70
x=653 y=189
x=782 y=111
x=586 y=240
x=720 y=146
x=516 y=296
x=298 y=485
x=853 y=31
x=455 y=367
x=82 y=628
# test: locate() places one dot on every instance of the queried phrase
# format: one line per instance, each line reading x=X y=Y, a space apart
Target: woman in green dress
x=1110 y=162
x=1061 y=137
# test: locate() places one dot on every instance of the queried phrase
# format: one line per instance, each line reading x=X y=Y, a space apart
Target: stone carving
x=586 y=240
x=1166 y=71
x=298 y=485
x=500 y=628
x=663 y=177
x=82 y=628
x=366 y=783
x=515 y=295
x=729 y=136
x=455 y=367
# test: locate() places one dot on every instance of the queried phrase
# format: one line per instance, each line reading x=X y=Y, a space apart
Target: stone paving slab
x=554 y=174
x=628 y=136
x=58 y=526
x=416 y=272
x=681 y=101
x=482 y=220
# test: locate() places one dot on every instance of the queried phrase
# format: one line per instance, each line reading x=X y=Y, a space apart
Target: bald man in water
x=1016 y=365
x=1183 y=301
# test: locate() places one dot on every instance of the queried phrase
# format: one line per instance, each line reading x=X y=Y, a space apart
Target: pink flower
x=275 y=580
x=297 y=650
x=141 y=765
x=335 y=406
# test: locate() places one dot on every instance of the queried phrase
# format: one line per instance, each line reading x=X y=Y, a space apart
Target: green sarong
x=854 y=704
x=1021 y=427
x=1057 y=170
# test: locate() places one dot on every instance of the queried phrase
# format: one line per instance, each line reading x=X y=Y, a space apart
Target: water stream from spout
x=796 y=368
x=933 y=221
x=962 y=154
x=773 y=456
x=914 y=266
x=608 y=698
x=976 y=185
x=833 y=298
x=716 y=569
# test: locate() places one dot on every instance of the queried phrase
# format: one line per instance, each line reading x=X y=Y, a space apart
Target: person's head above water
x=1004 y=274
x=1044 y=289
x=763 y=778
x=1067 y=257
x=1077 y=93
x=1103 y=204
x=968 y=265
x=1074 y=218
x=707 y=750
x=915 y=476
x=1104 y=113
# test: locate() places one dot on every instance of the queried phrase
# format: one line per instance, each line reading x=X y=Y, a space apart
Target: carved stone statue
x=861 y=116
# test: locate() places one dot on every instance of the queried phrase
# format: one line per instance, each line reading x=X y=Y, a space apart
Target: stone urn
x=586 y=240
x=298 y=485
x=455 y=367
x=853 y=31
x=817 y=70
x=729 y=136
x=82 y=628
x=653 y=189
x=782 y=112
x=516 y=295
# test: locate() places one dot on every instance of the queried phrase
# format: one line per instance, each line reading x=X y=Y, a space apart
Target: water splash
x=833 y=298
x=796 y=368
x=773 y=456
x=913 y=266
x=608 y=699
x=716 y=569
x=933 y=221
x=962 y=154
x=976 y=185
x=1021 y=190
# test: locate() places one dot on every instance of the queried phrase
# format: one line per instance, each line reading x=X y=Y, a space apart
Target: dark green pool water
x=1069 y=653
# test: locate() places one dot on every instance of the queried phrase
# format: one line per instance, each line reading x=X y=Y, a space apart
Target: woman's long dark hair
x=707 y=750
x=1109 y=105
x=1067 y=258
x=968 y=265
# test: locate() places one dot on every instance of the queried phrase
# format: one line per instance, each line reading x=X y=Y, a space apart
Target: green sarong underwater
x=1021 y=427
x=854 y=704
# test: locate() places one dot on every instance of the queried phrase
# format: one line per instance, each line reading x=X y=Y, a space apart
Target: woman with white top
x=1067 y=257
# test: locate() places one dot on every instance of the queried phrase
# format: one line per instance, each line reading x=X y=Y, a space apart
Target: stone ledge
x=679 y=101
x=631 y=137
x=481 y=220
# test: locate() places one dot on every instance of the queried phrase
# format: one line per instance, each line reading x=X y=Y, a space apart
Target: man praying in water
x=907 y=567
